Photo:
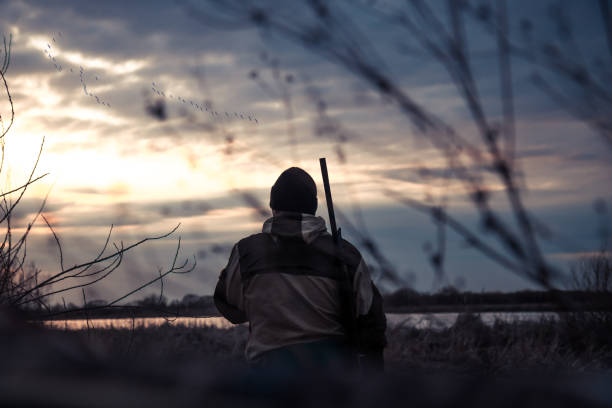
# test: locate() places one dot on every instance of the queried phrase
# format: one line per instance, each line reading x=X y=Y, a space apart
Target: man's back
x=294 y=286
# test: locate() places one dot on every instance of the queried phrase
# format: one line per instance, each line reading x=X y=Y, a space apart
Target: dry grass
x=169 y=342
x=175 y=365
x=573 y=343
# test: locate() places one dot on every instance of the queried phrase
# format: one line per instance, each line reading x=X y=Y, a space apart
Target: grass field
x=564 y=362
x=575 y=342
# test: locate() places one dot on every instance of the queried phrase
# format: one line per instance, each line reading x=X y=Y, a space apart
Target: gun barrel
x=328 y=199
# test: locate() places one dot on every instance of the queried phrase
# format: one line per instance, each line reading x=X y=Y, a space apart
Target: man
x=309 y=303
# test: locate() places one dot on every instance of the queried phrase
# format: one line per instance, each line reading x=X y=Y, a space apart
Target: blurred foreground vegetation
x=562 y=362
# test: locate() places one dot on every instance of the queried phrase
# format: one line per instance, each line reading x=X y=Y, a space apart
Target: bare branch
x=19 y=299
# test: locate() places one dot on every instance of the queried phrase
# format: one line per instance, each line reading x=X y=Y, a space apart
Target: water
x=128 y=323
x=418 y=320
x=443 y=320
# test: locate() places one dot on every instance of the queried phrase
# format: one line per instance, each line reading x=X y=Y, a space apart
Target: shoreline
x=430 y=309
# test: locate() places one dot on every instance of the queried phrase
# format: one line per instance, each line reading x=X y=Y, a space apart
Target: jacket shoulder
x=349 y=254
x=252 y=242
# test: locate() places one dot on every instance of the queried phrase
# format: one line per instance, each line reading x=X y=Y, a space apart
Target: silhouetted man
x=290 y=284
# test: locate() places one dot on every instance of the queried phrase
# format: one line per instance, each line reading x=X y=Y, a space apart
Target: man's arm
x=228 y=293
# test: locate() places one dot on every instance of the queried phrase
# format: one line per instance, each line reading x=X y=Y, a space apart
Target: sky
x=155 y=114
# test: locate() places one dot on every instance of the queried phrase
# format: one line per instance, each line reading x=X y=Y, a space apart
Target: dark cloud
x=28 y=62
x=180 y=208
x=536 y=152
x=137 y=213
x=586 y=157
x=426 y=174
x=28 y=207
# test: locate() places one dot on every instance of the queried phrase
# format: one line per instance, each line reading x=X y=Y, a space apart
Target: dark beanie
x=294 y=191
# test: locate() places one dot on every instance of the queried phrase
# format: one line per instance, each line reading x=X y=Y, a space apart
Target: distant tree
x=402 y=297
x=190 y=299
x=201 y=303
x=152 y=300
x=448 y=290
x=592 y=273
x=96 y=303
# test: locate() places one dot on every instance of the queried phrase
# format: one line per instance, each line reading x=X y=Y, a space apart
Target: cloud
x=28 y=207
x=124 y=213
x=423 y=175
x=132 y=170
x=131 y=214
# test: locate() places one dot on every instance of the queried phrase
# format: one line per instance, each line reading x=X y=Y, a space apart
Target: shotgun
x=349 y=300
x=330 y=203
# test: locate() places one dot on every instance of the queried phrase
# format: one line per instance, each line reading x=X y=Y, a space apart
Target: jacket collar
x=306 y=227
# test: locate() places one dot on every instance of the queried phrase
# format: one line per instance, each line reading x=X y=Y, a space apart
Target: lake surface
x=418 y=320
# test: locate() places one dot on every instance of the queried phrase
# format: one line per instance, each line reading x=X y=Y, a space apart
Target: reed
x=571 y=343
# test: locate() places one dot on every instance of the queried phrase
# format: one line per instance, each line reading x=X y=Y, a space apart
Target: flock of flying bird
x=49 y=51
x=207 y=107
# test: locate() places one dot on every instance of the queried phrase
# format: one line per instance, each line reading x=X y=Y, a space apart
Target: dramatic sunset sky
x=110 y=161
